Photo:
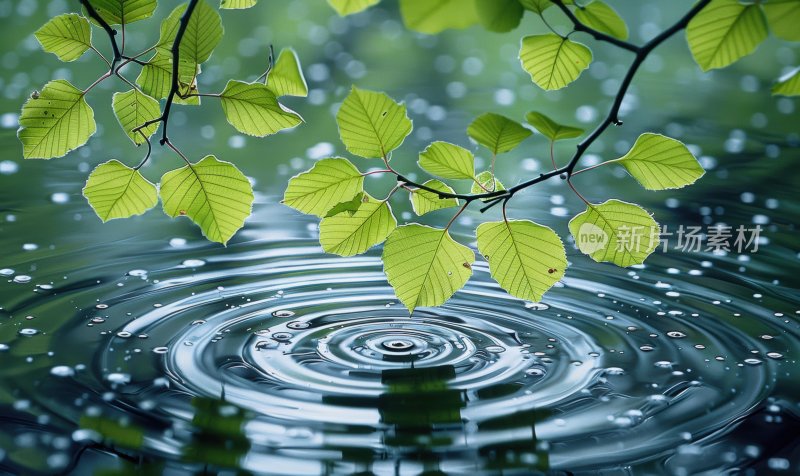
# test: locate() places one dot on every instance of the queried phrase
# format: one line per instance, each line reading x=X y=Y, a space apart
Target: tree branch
x=598 y=35
x=112 y=33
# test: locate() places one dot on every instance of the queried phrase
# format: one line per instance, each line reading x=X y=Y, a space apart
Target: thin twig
x=597 y=35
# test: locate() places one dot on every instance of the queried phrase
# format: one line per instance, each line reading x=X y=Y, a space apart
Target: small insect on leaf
x=183 y=212
x=35 y=94
x=466 y=265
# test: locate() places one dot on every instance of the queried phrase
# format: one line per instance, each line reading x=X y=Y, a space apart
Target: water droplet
x=495 y=349
x=4 y=347
x=676 y=334
x=537 y=306
x=615 y=371
x=663 y=364
x=752 y=361
x=699 y=346
x=22 y=278
x=118 y=378
x=774 y=355
x=535 y=372
x=177 y=242
x=646 y=348
x=102 y=306
x=298 y=325
x=194 y=263
x=28 y=332
x=62 y=371
x=198 y=322
x=262 y=332
x=282 y=336
x=6 y=272
x=123 y=334
x=767 y=337
x=140 y=273
x=283 y=313
x=98 y=320
x=30 y=247
x=160 y=350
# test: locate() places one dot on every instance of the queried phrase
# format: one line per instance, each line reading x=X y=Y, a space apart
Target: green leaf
x=788 y=85
x=349 y=7
x=724 y=31
x=783 y=17
x=424 y=201
x=499 y=15
x=66 y=36
x=202 y=35
x=525 y=258
x=448 y=160
x=425 y=266
x=347 y=235
x=115 y=190
x=253 y=109
x=551 y=129
x=659 y=163
x=497 y=133
x=117 y=12
x=371 y=124
x=212 y=193
x=155 y=79
x=486 y=182
x=133 y=109
x=553 y=62
x=537 y=6
x=286 y=77
x=349 y=207
x=328 y=183
x=434 y=16
x=55 y=122
x=236 y=4
x=616 y=232
x=603 y=18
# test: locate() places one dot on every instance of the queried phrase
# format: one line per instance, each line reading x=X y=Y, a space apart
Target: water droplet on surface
x=282 y=336
x=495 y=349
x=123 y=334
x=535 y=372
x=62 y=371
x=22 y=278
x=118 y=378
x=774 y=355
x=160 y=350
x=298 y=325
x=537 y=306
x=28 y=332
x=646 y=348
x=6 y=272
x=193 y=263
x=676 y=334
x=752 y=361
x=284 y=313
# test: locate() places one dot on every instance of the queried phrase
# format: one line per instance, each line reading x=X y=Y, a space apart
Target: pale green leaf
x=213 y=194
x=349 y=7
x=783 y=17
x=486 y=182
x=237 y=4
x=202 y=35
x=155 y=79
x=539 y=6
x=499 y=15
x=659 y=163
x=425 y=266
x=286 y=78
x=724 y=31
x=253 y=109
x=116 y=12
x=115 y=190
x=525 y=258
x=328 y=183
x=603 y=18
x=424 y=201
x=67 y=36
x=788 y=85
x=616 y=232
x=371 y=124
x=434 y=16
x=133 y=109
x=349 y=207
x=551 y=129
x=347 y=235
x=497 y=133
x=552 y=61
x=448 y=160
x=55 y=122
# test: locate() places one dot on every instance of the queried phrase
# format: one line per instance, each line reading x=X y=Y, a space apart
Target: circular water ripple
x=310 y=359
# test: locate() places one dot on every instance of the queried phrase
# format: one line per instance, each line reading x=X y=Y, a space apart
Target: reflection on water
x=273 y=358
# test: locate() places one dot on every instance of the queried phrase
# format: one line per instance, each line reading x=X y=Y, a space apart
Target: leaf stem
x=597 y=35
x=458 y=213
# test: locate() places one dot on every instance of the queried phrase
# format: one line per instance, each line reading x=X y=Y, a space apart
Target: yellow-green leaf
x=525 y=258
x=349 y=7
x=601 y=17
x=155 y=77
x=134 y=108
x=425 y=266
x=348 y=234
x=425 y=201
x=116 y=12
x=499 y=15
x=66 y=36
x=327 y=184
x=616 y=232
x=724 y=31
x=552 y=61
x=202 y=35
x=371 y=124
x=788 y=85
x=537 y=6
x=551 y=129
x=783 y=17
x=659 y=163
x=497 y=133
x=115 y=190
x=448 y=160
x=253 y=109
x=286 y=78
x=486 y=182
x=213 y=194
x=434 y=16
x=55 y=122
x=236 y=4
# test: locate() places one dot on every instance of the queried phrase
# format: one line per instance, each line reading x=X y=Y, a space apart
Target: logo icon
x=591 y=238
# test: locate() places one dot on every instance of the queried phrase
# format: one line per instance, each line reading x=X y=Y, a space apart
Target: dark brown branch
x=112 y=33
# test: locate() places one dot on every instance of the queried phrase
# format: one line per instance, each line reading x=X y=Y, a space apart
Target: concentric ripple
x=311 y=360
